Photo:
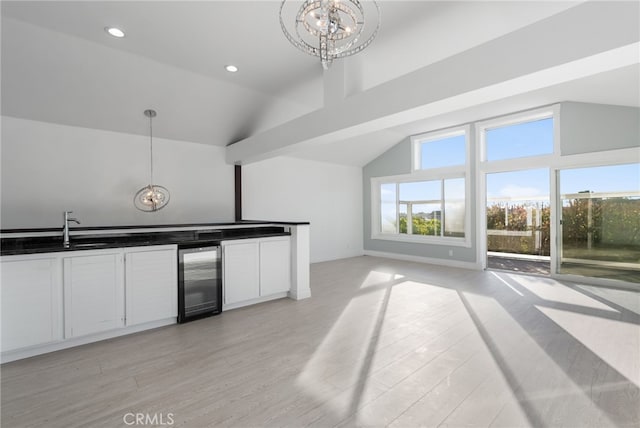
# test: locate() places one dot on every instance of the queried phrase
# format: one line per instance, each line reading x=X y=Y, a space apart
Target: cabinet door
x=151 y=284
x=241 y=265
x=93 y=293
x=275 y=266
x=31 y=302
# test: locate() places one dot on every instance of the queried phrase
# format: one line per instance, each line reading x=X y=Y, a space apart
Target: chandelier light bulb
x=115 y=32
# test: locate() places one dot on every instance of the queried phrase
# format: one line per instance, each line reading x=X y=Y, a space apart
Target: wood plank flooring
x=380 y=343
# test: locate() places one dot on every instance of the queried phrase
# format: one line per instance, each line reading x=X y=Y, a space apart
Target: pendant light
x=151 y=197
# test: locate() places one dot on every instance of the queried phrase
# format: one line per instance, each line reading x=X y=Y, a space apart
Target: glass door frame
x=555 y=162
x=481 y=199
x=591 y=160
x=555 y=165
x=484 y=167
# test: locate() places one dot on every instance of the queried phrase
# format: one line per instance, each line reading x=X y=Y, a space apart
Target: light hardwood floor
x=380 y=343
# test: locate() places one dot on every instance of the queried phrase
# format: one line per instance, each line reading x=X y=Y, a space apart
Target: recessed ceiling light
x=114 y=31
x=231 y=68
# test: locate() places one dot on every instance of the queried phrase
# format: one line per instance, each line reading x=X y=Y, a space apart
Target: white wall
x=328 y=196
x=49 y=168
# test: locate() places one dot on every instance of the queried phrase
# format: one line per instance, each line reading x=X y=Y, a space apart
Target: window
x=388 y=215
x=532 y=137
x=454 y=207
x=443 y=152
x=601 y=222
x=428 y=205
x=424 y=208
x=420 y=208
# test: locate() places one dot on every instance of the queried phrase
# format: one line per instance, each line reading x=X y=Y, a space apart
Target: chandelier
x=151 y=197
x=330 y=29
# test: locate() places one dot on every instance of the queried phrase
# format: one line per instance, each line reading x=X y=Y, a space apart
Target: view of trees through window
x=601 y=221
x=520 y=228
x=422 y=223
x=519 y=212
x=425 y=208
x=597 y=207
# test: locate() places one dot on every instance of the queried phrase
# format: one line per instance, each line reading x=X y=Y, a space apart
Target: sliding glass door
x=518 y=221
x=600 y=222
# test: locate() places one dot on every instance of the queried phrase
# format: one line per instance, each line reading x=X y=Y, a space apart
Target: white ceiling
x=58 y=65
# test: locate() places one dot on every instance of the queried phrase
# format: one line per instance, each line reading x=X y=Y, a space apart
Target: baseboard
x=421 y=259
x=254 y=301
x=32 y=351
x=357 y=253
x=299 y=294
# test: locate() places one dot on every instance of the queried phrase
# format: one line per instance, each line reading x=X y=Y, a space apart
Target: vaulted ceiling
x=59 y=65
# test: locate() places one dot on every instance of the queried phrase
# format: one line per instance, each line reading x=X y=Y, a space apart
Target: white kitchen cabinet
x=275 y=266
x=93 y=292
x=241 y=271
x=151 y=282
x=255 y=269
x=31 y=302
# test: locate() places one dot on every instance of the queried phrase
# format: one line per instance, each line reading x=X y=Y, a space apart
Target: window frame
x=418 y=140
x=522 y=162
x=429 y=174
x=484 y=167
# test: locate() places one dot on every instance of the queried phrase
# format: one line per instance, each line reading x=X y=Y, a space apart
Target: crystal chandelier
x=151 y=197
x=330 y=29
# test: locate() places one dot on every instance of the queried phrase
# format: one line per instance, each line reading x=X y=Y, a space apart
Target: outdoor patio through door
x=518 y=220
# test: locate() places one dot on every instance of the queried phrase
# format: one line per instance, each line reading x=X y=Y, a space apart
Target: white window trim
x=554 y=162
x=376 y=182
x=484 y=167
x=444 y=173
x=514 y=119
x=417 y=140
x=475 y=144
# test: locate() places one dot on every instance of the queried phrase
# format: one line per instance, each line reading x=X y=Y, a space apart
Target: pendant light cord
x=151 y=148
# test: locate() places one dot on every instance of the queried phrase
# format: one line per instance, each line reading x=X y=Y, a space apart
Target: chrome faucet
x=65 y=230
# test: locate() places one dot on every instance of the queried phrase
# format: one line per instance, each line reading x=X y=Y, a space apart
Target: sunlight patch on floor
x=628 y=299
x=515 y=290
x=378 y=278
x=552 y=291
x=347 y=350
x=615 y=342
x=536 y=381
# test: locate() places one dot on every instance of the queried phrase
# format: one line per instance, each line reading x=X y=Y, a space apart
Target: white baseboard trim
x=299 y=294
x=428 y=260
x=254 y=301
x=32 y=351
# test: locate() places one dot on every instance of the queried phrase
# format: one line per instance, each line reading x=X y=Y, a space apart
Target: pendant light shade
x=151 y=197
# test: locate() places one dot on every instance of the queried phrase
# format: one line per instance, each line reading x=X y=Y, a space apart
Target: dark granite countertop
x=184 y=238
x=240 y=223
